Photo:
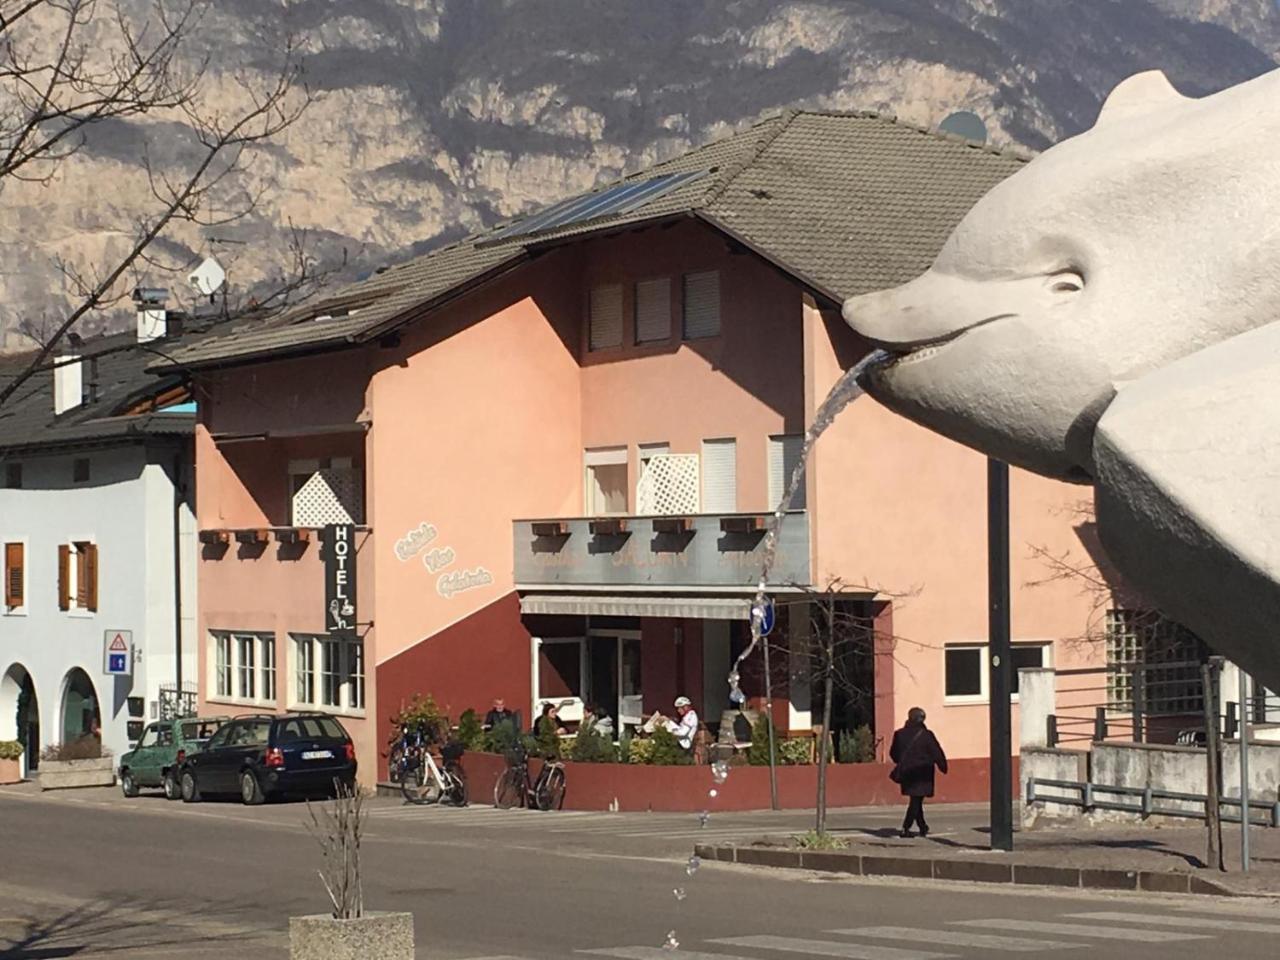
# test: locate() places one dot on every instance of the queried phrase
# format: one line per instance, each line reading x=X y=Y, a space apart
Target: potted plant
x=83 y=762
x=10 y=761
x=349 y=932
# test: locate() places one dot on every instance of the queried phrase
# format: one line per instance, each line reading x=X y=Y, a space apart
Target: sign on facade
x=117 y=653
x=340 y=580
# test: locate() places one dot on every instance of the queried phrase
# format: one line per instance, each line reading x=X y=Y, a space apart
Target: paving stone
x=977 y=871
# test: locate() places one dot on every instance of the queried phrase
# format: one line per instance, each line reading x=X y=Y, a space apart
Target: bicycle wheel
x=550 y=792
x=508 y=792
x=417 y=784
x=457 y=784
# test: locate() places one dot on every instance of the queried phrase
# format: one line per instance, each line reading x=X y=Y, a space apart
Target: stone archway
x=20 y=712
x=80 y=715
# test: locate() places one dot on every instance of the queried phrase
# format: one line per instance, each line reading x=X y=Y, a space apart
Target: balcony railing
x=704 y=550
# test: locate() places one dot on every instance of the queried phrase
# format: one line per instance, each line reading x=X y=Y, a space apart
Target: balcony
x=714 y=551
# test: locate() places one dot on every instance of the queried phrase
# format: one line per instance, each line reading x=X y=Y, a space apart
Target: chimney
x=68 y=386
x=152 y=316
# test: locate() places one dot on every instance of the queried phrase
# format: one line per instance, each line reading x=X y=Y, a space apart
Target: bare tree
x=339 y=828
x=66 y=65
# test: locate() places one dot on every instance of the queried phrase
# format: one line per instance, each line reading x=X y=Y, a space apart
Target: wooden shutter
x=90 y=560
x=14 y=575
x=784 y=454
x=64 y=577
x=719 y=476
x=653 y=310
x=701 y=305
x=605 y=317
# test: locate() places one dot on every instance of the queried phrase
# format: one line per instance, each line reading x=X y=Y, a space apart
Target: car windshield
x=309 y=728
x=199 y=729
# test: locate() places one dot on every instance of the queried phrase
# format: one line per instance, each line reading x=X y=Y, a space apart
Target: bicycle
x=514 y=788
x=422 y=780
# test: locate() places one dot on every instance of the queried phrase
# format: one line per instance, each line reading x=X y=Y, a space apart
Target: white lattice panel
x=329 y=496
x=669 y=486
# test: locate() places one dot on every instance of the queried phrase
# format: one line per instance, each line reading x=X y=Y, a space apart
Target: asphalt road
x=90 y=875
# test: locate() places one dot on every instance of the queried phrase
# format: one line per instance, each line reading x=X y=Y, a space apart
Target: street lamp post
x=998 y=650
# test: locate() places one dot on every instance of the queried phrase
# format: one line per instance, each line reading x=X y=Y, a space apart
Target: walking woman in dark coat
x=916 y=752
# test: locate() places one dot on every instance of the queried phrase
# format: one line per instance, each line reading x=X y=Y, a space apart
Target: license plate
x=317 y=754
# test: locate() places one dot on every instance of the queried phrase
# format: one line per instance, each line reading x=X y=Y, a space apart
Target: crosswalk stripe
x=831 y=948
x=953 y=937
x=1206 y=923
x=657 y=953
x=1081 y=930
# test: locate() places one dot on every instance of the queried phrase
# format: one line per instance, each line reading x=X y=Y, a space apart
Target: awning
x=694 y=608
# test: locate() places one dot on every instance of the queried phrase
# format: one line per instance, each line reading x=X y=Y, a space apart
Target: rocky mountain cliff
x=438 y=117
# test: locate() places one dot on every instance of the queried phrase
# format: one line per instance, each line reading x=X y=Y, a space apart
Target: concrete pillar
x=1035 y=703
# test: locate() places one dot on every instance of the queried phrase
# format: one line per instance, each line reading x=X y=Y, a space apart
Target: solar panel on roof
x=619 y=199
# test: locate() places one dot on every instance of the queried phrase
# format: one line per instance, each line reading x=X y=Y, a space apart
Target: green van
x=161 y=749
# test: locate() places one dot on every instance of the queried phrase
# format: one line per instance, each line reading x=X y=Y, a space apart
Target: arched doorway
x=80 y=716
x=20 y=712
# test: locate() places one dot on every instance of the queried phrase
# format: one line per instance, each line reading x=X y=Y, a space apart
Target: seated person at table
x=550 y=711
x=684 y=728
x=601 y=723
x=499 y=714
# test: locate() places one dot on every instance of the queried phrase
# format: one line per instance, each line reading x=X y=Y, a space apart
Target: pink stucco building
x=557 y=443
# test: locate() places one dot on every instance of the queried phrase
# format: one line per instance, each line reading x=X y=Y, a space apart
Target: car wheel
x=172 y=788
x=190 y=789
x=250 y=790
x=128 y=785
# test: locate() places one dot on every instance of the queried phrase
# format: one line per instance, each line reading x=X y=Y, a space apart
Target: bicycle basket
x=452 y=751
x=516 y=755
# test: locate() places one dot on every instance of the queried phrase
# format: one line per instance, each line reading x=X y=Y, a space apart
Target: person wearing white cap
x=685 y=727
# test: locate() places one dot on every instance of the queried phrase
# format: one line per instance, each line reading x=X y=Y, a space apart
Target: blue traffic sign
x=763 y=616
x=117 y=663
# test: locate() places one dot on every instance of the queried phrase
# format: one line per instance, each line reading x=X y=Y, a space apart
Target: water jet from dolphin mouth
x=847 y=389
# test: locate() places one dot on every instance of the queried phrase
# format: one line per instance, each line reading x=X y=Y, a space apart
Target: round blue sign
x=763 y=616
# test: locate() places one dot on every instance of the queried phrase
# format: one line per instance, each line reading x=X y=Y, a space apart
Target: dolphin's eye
x=1066 y=281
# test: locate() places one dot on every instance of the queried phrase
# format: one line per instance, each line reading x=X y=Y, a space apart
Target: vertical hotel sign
x=340 y=580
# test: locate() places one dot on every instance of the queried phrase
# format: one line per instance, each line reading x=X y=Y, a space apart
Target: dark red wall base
x=599 y=786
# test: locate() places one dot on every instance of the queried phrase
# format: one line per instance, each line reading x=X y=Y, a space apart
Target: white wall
x=126 y=508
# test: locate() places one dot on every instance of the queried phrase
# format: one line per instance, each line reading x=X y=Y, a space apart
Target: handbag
x=896 y=773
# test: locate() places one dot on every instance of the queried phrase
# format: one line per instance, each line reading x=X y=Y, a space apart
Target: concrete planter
x=11 y=770
x=65 y=774
x=375 y=936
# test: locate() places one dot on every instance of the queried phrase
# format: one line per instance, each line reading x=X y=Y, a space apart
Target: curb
x=969 y=871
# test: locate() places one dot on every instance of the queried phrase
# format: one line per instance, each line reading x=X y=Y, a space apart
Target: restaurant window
x=604 y=317
x=329 y=672
x=653 y=310
x=244 y=666
x=605 y=481
x=222 y=664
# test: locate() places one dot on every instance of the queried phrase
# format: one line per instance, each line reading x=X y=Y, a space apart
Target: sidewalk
x=1163 y=859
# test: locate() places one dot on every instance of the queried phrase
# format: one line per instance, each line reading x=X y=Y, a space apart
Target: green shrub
x=423 y=712
x=546 y=743
x=502 y=738
x=794 y=750
x=639 y=750
x=813 y=840
x=592 y=746
x=10 y=749
x=667 y=751
x=758 y=752
x=859 y=746
x=470 y=730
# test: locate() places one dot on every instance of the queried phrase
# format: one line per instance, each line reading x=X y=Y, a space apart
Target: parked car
x=263 y=756
x=161 y=751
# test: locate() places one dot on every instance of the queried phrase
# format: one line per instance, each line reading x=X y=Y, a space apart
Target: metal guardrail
x=1147 y=796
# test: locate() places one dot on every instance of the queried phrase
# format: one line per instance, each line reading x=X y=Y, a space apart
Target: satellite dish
x=967 y=124
x=209 y=277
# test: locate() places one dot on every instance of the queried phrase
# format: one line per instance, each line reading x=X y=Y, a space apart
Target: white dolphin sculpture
x=1110 y=314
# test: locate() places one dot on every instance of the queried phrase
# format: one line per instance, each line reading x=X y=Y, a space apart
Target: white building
x=98 y=536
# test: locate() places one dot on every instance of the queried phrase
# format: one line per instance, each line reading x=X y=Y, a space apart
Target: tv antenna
x=209 y=277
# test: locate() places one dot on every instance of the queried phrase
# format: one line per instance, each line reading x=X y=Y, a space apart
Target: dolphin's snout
x=916 y=313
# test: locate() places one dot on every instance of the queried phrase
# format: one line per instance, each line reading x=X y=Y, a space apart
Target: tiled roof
x=27 y=420
x=845 y=202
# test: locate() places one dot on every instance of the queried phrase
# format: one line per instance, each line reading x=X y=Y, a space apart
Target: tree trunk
x=1212 y=809
x=824 y=748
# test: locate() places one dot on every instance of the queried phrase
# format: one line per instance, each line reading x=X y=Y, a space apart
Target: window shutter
x=90 y=558
x=719 y=476
x=784 y=454
x=606 y=317
x=13 y=575
x=701 y=305
x=653 y=310
x=64 y=577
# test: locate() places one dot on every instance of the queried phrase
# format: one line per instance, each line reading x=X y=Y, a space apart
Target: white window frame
x=352 y=660
x=601 y=457
x=719 y=443
x=984 y=677
x=21 y=610
x=235 y=640
x=73 y=577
